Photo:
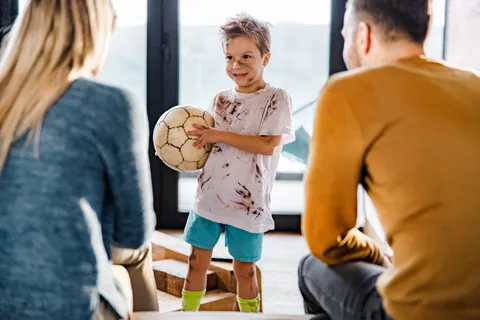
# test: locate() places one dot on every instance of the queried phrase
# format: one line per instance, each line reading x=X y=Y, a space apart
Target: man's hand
x=387 y=261
x=205 y=135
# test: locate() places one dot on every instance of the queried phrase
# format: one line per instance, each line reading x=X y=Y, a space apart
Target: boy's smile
x=245 y=64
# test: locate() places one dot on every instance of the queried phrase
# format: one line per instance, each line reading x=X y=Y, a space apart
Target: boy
x=252 y=122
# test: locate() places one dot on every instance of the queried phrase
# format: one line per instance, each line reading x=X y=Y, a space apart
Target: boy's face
x=245 y=64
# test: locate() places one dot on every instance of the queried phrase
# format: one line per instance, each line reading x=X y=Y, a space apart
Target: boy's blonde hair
x=245 y=25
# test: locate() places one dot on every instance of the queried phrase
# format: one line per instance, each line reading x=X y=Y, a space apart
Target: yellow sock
x=249 y=305
x=191 y=300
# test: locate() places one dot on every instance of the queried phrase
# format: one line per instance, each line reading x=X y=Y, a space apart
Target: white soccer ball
x=172 y=143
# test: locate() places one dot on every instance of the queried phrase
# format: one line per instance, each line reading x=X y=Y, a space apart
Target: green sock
x=191 y=300
x=249 y=305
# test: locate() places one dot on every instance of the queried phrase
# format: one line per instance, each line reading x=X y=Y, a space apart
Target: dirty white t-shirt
x=234 y=187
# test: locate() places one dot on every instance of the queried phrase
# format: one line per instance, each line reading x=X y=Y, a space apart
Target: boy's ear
x=266 y=59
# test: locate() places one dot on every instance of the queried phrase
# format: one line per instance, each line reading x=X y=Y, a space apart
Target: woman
x=73 y=153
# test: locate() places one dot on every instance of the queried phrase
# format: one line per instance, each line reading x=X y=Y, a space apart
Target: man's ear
x=364 y=37
x=266 y=59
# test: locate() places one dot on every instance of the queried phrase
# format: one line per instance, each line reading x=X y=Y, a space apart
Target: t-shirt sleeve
x=277 y=118
x=212 y=105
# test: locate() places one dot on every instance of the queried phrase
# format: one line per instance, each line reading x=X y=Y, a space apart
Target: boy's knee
x=197 y=261
x=244 y=270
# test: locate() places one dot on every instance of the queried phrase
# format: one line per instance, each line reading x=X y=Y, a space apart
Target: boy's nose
x=235 y=64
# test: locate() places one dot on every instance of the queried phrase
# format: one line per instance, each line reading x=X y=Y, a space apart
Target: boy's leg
x=202 y=234
x=196 y=279
x=248 y=297
x=198 y=262
x=246 y=249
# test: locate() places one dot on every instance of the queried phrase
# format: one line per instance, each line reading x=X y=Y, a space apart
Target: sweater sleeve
x=331 y=181
x=129 y=175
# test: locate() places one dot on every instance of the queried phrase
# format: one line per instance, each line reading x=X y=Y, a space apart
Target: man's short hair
x=245 y=25
x=398 y=18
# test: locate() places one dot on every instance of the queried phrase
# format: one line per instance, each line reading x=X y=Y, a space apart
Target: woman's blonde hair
x=53 y=43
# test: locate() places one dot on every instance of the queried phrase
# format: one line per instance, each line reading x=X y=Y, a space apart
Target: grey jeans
x=341 y=292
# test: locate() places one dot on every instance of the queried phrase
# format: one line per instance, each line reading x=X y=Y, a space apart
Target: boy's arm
x=265 y=145
x=331 y=180
x=276 y=129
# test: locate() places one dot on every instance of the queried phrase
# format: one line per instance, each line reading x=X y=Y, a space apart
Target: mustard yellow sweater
x=410 y=133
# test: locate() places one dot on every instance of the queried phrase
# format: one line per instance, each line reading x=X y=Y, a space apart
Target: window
x=299 y=64
x=435 y=41
x=21 y=5
x=461 y=47
x=126 y=63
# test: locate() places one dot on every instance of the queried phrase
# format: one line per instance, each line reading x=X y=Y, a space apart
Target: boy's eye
x=246 y=56
x=228 y=57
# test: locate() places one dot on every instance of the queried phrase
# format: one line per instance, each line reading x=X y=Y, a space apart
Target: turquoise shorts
x=204 y=234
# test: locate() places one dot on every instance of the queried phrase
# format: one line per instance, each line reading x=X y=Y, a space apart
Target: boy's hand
x=205 y=135
x=265 y=145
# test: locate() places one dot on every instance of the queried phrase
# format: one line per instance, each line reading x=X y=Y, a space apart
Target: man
x=408 y=129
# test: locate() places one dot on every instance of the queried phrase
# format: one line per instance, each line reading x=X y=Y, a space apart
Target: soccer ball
x=172 y=144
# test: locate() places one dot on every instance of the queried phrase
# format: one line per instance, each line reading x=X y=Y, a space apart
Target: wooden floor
x=281 y=255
